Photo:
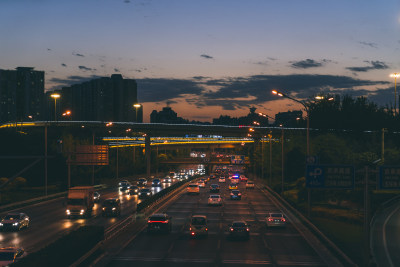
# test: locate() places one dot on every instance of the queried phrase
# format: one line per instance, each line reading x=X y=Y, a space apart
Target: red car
x=243 y=178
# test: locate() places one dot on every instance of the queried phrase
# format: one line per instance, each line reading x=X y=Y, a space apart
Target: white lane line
x=384 y=236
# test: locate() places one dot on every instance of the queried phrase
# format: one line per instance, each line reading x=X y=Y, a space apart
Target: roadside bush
x=18 y=182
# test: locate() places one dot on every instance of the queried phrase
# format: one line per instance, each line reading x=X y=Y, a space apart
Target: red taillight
x=239 y=194
x=150 y=221
x=192 y=233
x=231 y=229
x=270 y=219
x=283 y=220
x=190 y=229
x=248 y=230
x=206 y=229
x=231 y=194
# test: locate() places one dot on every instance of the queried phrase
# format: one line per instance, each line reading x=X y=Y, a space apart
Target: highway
x=48 y=220
x=385 y=234
x=273 y=247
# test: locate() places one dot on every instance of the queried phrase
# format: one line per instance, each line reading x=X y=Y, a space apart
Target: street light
x=275 y=92
x=55 y=96
x=395 y=76
x=137 y=106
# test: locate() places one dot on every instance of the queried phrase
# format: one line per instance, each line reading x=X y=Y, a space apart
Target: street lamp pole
x=55 y=96
x=395 y=76
x=136 y=106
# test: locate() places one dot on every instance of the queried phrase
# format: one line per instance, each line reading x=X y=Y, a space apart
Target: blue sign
x=389 y=177
x=330 y=176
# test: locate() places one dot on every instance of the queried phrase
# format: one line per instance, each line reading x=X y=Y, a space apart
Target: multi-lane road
x=48 y=220
x=274 y=247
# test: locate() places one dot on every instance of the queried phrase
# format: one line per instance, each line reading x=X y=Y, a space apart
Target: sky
x=206 y=58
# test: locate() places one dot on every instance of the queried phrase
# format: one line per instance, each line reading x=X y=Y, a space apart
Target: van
x=198 y=226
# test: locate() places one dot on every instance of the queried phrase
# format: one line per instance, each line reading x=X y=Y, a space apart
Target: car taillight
x=239 y=194
x=206 y=229
x=231 y=229
x=270 y=219
x=192 y=233
x=283 y=220
x=231 y=194
x=247 y=229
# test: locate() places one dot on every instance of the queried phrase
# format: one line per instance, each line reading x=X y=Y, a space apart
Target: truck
x=80 y=201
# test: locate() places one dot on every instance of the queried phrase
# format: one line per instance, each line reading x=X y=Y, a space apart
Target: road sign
x=237 y=159
x=330 y=176
x=311 y=160
x=389 y=177
x=90 y=155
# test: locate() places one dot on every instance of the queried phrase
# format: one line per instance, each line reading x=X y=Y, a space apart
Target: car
x=275 y=219
x=159 y=222
x=145 y=193
x=250 y=185
x=235 y=194
x=243 y=178
x=239 y=229
x=96 y=197
x=214 y=200
x=172 y=175
x=214 y=188
x=142 y=182
x=133 y=190
x=201 y=183
x=233 y=186
x=235 y=180
x=14 y=221
x=205 y=180
x=198 y=226
x=124 y=183
x=193 y=189
x=156 y=182
x=123 y=187
x=111 y=207
x=9 y=255
x=167 y=180
x=221 y=179
x=212 y=176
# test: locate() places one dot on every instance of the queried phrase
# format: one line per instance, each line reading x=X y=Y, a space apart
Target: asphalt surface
x=48 y=220
x=271 y=247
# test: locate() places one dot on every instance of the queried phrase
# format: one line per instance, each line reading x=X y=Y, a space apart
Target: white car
x=215 y=200
x=221 y=179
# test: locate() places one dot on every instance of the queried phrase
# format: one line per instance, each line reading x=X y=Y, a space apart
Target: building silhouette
x=21 y=94
x=166 y=115
x=289 y=118
x=102 y=99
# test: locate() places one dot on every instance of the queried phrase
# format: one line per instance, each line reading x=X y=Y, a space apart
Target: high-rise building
x=166 y=115
x=102 y=99
x=21 y=94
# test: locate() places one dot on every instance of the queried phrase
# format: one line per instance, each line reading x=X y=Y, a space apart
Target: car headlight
x=148 y=193
x=68 y=212
x=104 y=208
x=113 y=208
x=82 y=212
x=15 y=224
x=1 y=224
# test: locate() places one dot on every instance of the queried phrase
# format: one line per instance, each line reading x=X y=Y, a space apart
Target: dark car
x=111 y=207
x=156 y=183
x=142 y=182
x=133 y=190
x=214 y=188
x=159 y=222
x=235 y=194
x=123 y=187
x=239 y=229
x=145 y=193
x=14 y=221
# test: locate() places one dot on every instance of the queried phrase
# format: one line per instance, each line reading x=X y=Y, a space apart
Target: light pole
x=137 y=106
x=55 y=96
x=395 y=76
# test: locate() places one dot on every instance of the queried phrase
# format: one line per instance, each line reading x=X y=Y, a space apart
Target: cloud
x=373 y=45
x=375 y=65
x=206 y=56
x=308 y=63
x=70 y=80
x=48 y=49
x=85 y=68
x=164 y=89
x=63 y=64
x=77 y=54
x=116 y=70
